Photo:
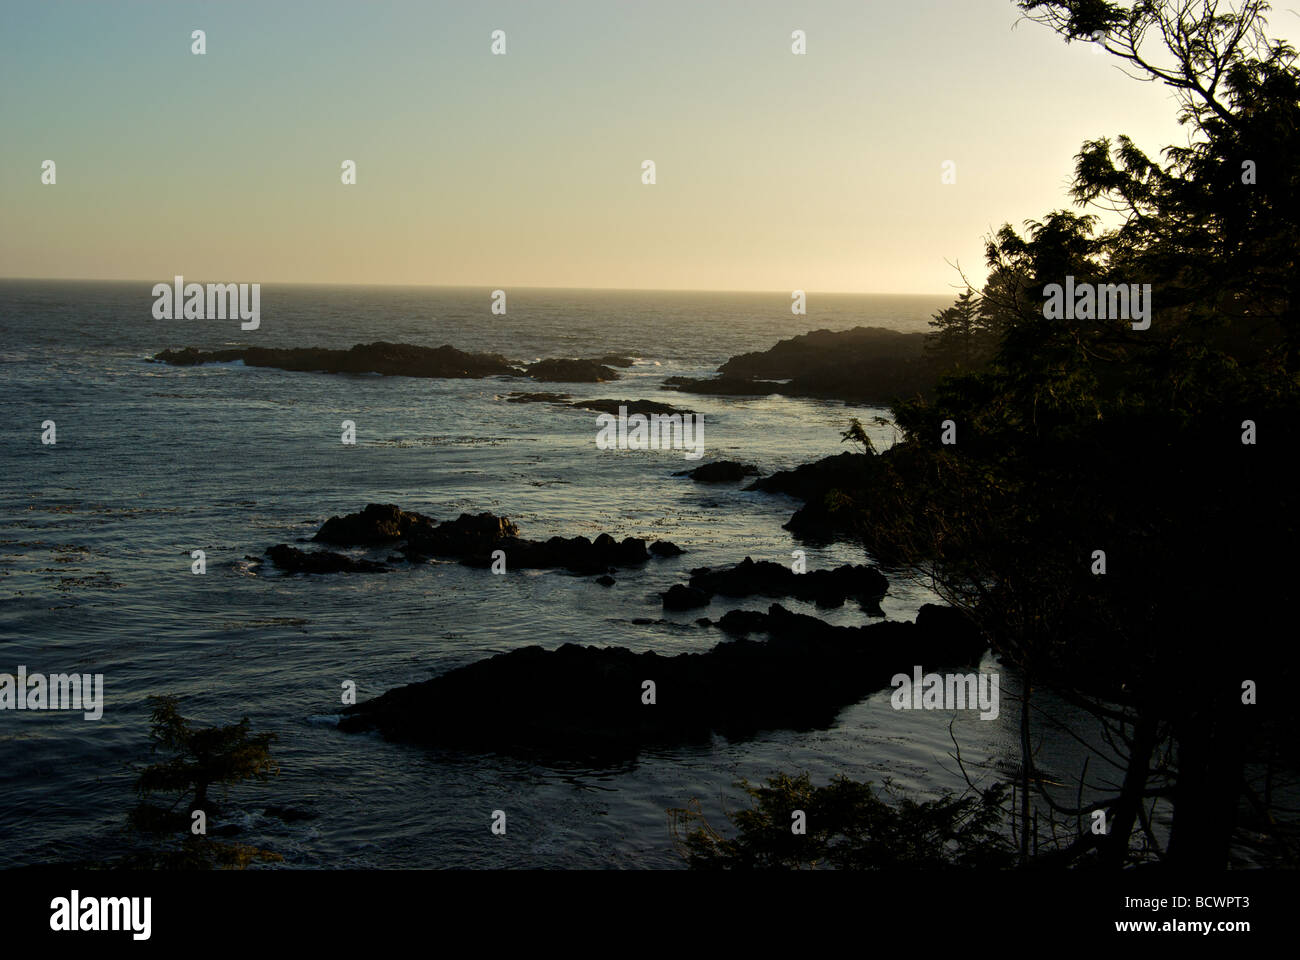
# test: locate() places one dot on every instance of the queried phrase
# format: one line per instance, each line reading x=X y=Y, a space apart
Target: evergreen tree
x=1083 y=435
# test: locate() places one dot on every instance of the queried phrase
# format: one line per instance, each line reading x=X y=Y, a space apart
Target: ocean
x=153 y=461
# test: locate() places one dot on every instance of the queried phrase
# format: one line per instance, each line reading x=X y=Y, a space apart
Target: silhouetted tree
x=846 y=825
x=1083 y=435
x=964 y=336
x=201 y=757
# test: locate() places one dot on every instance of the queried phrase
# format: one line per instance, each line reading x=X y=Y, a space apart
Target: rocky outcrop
x=469 y=535
x=831 y=489
x=645 y=407
x=571 y=371
x=592 y=701
x=575 y=554
x=191 y=356
x=474 y=538
x=949 y=638
x=402 y=360
x=862 y=365
x=726 y=386
x=720 y=471
x=812 y=354
x=378 y=523
x=680 y=597
x=811 y=480
x=826 y=588
x=537 y=398
x=390 y=359
x=292 y=560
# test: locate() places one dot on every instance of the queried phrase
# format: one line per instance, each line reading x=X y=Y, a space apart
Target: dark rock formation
x=645 y=407
x=190 y=356
x=726 y=386
x=813 y=353
x=588 y=701
x=537 y=397
x=377 y=523
x=473 y=538
x=468 y=535
x=830 y=488
x=606 y=581
x=571 y=371
x=402 y=360
x=680 y=597
x=575 y=554
x=811 y=480
x=826 y=588
x=391 y=359
x=292 y=560
x=949 y=638
x=863 y=365
x=720 y=471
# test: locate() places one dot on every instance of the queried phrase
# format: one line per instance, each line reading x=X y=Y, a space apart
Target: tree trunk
x=1210 y=766
x=1114 y=850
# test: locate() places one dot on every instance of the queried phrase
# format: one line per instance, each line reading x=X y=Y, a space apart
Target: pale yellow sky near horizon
x=774 y=171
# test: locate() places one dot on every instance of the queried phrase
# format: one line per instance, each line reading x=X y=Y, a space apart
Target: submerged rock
x=583 y=700
x=719 y=471
x=826 y=588
x=537 y=397
x=292 y=560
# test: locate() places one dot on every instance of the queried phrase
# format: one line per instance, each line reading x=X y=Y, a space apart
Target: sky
x=774 y=171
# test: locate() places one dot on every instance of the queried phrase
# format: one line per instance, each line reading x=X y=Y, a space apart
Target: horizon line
x=488 y=286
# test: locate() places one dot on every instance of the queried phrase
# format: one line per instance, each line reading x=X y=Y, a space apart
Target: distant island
x=403 y=360
x=861 y=365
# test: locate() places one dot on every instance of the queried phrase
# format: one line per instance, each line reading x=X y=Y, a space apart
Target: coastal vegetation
x=1087 y=491
x=192 y=760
